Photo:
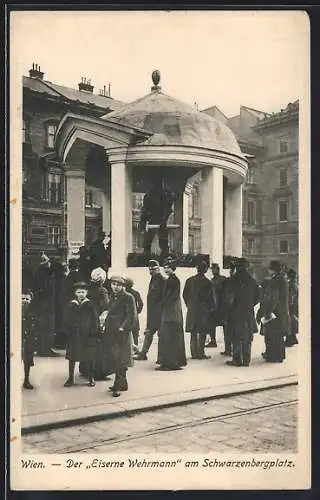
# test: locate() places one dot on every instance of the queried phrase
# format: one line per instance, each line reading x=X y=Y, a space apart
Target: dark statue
x=156 y=209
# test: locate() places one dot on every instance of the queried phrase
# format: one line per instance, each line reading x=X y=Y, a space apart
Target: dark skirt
x=171 y=347
x=275 y=342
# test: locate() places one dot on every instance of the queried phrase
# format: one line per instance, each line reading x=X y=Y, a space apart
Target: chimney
x=35 y=72
x=85 y=85
x=104 y=92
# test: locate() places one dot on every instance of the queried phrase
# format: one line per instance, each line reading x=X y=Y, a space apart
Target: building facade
x=270 y=192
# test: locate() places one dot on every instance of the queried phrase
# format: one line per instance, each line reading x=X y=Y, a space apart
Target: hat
x=129 y=282
x=153 y=264
x=80 y=284
x=117 y=279
x=44 y=258
x=275 y=266
x=98 y=274
x=214 y=264
x=171 y=263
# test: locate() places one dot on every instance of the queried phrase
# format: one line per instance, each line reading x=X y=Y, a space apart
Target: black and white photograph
x=160 y=281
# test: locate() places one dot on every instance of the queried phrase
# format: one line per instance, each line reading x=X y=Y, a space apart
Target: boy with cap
x=117 y=334
x=82 y=328
x=28 y=336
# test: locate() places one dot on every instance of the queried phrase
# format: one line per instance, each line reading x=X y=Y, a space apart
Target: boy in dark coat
x=198 y=297
x=154 y=298
x=28 y=336
x=82 y=328
x=139 y=305
x=275 y=321
x=242 y=293
x=117 y=334
x=171 y=348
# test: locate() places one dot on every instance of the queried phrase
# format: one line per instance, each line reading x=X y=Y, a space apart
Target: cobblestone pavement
x=264 y=421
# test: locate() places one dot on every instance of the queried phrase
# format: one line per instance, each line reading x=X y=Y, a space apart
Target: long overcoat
x=241 y=295
x=171 y=347
x=99 y=297
x=276 y=301
x=198 y=297
x=139 y=306
x=81 y=324
x=294 y=306
x=44 y=304
x=117 y=345
x=29 y=339
x=154 y=299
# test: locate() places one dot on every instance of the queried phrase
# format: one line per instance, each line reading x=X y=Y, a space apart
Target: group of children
x=101 y=325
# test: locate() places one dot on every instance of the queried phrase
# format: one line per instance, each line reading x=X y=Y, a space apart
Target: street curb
x=47 y=426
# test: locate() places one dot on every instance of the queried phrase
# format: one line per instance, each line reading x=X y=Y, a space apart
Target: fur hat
x=98 y=275
x=275 y=266
x=117 y=279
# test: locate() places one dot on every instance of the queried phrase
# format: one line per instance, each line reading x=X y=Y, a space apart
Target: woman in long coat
x=117 y=335
x=82 y=328
x=171 y=347
x=293 y=308
x=275 y=302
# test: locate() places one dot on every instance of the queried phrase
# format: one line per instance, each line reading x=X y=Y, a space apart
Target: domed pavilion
x=154 y=135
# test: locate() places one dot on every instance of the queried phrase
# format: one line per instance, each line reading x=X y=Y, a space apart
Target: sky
x=228 y=59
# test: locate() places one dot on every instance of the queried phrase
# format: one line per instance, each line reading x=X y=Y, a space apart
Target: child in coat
x=28 y=337
x=82 y=328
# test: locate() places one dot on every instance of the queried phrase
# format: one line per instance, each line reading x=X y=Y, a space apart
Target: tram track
x=111 y=441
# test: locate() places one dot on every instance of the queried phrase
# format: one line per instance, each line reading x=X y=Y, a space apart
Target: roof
x=58 y=91
x=173 y=122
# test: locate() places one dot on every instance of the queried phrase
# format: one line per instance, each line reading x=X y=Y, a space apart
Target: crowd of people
x=99 y=324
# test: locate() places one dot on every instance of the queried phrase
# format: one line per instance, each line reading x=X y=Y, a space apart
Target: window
x=284 y=246
x=251 y=247
x=51 y=132
x=25 y=131
x=251 y=219
x=89 y=198
x=283 y=177
x=54 y=188
x=54 y=235
x=251 y=177
x=283 y=144
x=283 y=211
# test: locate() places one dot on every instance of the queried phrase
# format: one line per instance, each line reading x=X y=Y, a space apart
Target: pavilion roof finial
x=156 y=75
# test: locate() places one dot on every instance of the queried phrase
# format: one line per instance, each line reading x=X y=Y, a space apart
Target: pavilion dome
x=173 y=122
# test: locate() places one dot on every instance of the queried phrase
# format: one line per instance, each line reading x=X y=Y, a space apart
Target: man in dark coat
x=198 y=297
x=218 y=283
x=157 y=206
x=293 y=308
x=171 y=348
x=154 y=298
x=275 y=321
x=117 y=334
x=44 y=303
x=82 y=328
x=226 y=330
x=59 y=271
x=139 y=305
x=29 y=341
x=241 y=295
x=98 y=253
x=72 y=277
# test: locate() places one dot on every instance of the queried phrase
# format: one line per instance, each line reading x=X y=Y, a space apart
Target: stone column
x=106 y=212
x=233 y=218
x=185 y=225
x=75 y=179
x=121 y=214
x=211 y=191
